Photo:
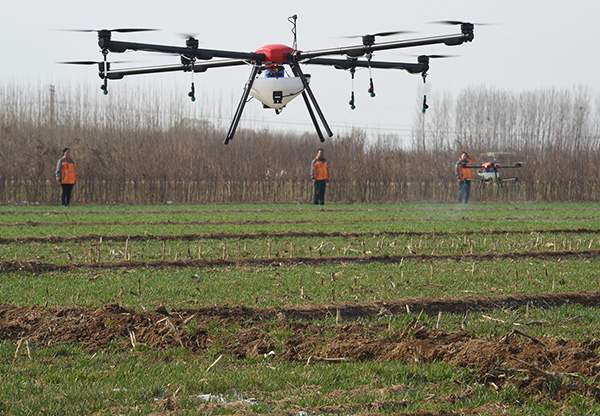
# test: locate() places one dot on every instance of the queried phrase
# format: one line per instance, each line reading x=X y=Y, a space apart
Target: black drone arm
x=354 y=63
x=205 y=54
x=197 y=67
x=516 y=165
x=360 y=50
x=493 y=165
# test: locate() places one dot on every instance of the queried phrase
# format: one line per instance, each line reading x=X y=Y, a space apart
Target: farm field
x=407 y=309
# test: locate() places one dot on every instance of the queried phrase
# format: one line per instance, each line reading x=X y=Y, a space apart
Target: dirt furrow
x=54 y=239
x=493 y=359
x=31 y=266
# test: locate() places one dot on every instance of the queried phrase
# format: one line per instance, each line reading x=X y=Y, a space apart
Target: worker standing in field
x=463 y=173
x=319 y=173
x=66 y=176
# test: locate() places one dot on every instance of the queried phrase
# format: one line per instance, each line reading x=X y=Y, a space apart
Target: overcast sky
x=532 y=44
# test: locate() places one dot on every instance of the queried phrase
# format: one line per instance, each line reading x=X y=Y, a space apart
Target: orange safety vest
x=465 y=173
x=321 y=172
x=67 y=172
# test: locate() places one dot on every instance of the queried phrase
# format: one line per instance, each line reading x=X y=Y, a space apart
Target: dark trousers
x=319 y=198
x=66 y=193
x=464 y=191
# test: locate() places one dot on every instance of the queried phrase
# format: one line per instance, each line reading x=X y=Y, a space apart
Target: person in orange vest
x=66 y=176
x=463 y=173
x=319 y=173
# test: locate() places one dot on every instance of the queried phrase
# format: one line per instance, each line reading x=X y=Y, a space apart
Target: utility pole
x=52 y=91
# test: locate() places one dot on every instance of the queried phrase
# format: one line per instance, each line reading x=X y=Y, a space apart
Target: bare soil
x=254 y=236
x=495 y=360
x=32 y=266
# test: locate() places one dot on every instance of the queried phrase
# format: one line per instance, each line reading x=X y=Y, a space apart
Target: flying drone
x=268 y=81
x=489 y=172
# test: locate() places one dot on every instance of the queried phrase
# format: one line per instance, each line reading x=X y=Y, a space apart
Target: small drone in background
x=489 y=172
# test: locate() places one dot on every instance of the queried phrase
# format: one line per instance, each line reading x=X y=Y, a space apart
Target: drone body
x=268 y=81
x=275 y=90
x=489 y=172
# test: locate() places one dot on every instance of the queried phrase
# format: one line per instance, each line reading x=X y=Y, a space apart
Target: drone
x=489 y=172
x=269 y=82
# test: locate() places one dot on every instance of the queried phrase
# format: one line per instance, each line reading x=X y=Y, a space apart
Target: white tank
x=277 y=92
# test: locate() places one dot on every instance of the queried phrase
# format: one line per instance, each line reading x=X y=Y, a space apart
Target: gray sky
x=533 y=44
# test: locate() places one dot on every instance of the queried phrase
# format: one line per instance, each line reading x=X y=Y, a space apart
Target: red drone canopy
x=275 y=53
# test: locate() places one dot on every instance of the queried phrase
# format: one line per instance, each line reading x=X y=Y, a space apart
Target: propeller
x=191 y=39
x=369 y=39
x=91 y=62
x=458 y=22
x=188 y=35
x=103 y=66
x=397 y=32
x=435 y=56
x=120 y=30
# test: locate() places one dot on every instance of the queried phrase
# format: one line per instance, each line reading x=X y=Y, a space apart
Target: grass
x=96 y=247
x=119 y=379
x=74 y=382
x=67 y=380
x=281 y=286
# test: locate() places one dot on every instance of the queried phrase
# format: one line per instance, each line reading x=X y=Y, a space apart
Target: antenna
x=292 y=20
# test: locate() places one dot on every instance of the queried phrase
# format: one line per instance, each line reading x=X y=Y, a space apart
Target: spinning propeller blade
x=187 y=35
x=120 y=30
x=397 y=32
x=131 y=30
x=440 y=56
x=79 y=63
x=433 y=56
x=91 y=62
x=458 y=23
x=369 y=39
x=448 y=22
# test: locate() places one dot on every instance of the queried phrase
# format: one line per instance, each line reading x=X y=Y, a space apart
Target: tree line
x=149 y=151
